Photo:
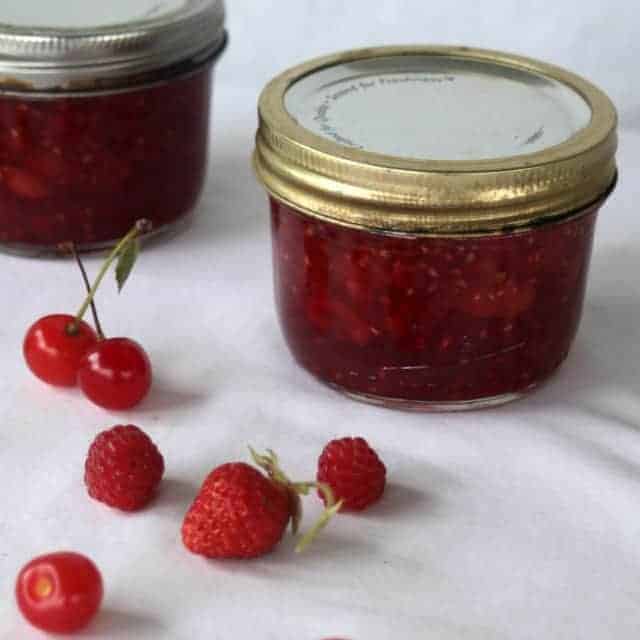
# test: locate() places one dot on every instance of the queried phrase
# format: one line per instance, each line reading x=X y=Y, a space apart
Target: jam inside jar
x=430 y=255
x=103 y=123
x=83 y=169
x=446 y=322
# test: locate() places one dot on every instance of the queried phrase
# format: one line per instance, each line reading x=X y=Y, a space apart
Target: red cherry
x=53 y=353
x=59 y=592
x=115 y=374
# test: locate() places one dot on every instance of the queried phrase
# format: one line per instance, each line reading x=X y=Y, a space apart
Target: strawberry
x=242 y=513
x=354 y=472
x=123 y=468
x=239 y=513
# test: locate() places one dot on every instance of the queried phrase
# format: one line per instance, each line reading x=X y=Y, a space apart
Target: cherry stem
x=83 y=271
x=140 y=227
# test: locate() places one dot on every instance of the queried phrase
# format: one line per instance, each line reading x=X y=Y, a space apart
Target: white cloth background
x=518 y=523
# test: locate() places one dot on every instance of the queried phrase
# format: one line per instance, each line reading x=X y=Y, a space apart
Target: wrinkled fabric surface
x=516 y=523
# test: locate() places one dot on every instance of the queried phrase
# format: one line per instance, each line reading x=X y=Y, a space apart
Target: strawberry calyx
x=269 y=463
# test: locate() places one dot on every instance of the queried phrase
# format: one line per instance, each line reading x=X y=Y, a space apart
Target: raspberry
x=354 y=472
x=123 y=468
x=238 y=513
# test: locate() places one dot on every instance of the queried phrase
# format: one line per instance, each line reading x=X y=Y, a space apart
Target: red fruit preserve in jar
x=104 y=118
x=433 y=211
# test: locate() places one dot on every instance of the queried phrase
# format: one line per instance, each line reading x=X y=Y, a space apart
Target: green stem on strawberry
x=323 y=520
x=125 y=252
x=269 y=463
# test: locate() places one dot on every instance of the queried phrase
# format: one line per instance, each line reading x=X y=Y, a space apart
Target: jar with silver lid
x=104 y=117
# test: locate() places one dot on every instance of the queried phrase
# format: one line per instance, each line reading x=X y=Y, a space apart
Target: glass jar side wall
x=429 y=321
x=84 y=168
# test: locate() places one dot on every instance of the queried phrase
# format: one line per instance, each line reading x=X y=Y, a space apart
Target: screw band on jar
x=139 y=44
x=329 y=176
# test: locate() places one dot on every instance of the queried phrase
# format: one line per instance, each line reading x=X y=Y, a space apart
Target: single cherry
x=115 y=374
x=54 y=346
x=59 y=592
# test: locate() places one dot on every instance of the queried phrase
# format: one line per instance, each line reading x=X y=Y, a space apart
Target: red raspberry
x=123 y=468
x=239 y=513
x=353 y=471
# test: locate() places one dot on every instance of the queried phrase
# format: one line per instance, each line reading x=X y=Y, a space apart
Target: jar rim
x=41 y=59
x=372 y=190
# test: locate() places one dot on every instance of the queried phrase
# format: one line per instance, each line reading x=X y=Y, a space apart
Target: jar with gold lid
x=433 y=211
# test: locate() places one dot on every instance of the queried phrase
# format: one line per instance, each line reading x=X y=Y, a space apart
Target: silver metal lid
x=79 y=45
x=432 y=107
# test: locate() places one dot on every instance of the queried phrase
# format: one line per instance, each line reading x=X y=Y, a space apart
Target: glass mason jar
x=104 y=118
x=432 y=212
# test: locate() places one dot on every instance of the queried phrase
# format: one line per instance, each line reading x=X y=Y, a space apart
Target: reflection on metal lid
x=53 y=46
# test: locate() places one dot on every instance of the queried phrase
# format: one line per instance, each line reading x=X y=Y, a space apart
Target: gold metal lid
x=434 y=140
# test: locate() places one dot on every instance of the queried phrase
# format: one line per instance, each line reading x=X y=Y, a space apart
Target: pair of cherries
x=65 y=351
x=114 y=373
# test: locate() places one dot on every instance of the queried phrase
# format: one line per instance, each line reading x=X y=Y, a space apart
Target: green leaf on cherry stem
x=126 y=260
